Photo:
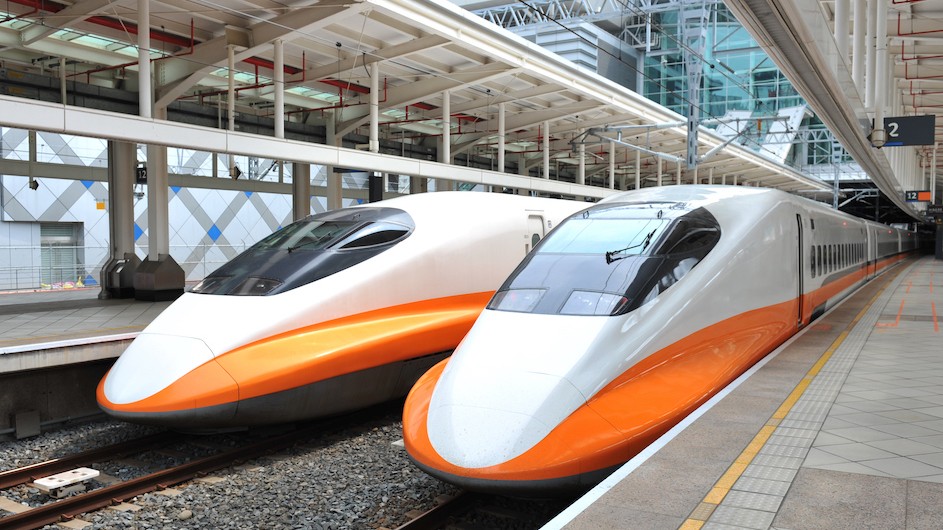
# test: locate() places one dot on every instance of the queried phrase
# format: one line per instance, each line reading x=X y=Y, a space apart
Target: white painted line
x=67 y=343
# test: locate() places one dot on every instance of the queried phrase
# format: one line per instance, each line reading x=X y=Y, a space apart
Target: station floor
x=840 y=428
x=50 y=316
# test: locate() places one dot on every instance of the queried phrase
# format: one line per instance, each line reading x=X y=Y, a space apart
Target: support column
x=231 y=93
x=933 y=176
x=658 y=171
x=502 y=132
x=612 y=165
x=841 y=28
x=857 y=49
x=117 y=275
x=710 y=175
x=878 y=137
x=300 y=190
x=638 y=169
x=375 y=107
x=145 y=92
x=546 y=147
x=678 y=173
x=335 y=181
x=279 y=88
x=581 y=168
x=870 y=80
x=159 y=277
x=445 y=151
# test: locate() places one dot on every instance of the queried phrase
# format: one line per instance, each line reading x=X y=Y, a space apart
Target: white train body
x=296 y=328
x=560 y=380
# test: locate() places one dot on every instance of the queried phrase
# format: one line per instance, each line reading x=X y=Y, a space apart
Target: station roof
x=420 y=51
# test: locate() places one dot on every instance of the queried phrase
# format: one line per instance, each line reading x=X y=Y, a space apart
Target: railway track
x=81 y=503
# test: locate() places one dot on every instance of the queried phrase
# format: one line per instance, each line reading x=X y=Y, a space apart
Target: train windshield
x=308 y=250
x=609 y=260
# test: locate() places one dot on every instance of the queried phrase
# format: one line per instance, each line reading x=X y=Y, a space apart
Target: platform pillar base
x=158 y=281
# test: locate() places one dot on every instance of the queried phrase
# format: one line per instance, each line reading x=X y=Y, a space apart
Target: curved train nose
x=168 y=379
x=473 y=428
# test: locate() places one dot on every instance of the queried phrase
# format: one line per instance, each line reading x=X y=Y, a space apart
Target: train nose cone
x=152 y=363
x=471 y=427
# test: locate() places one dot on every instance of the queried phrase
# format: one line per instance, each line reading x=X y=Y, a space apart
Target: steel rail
x=15 y=477
x=72 y=506
x=437 y=517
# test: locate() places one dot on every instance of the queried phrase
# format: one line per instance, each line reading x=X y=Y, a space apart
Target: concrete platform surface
x=841 y=427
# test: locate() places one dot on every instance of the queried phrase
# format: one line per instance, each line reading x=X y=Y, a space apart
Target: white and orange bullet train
x=626 y=318
x=338 y=311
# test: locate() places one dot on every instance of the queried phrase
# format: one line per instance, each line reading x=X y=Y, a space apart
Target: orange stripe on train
x=319 y=352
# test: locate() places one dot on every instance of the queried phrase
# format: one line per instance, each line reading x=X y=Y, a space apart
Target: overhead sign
x=910 y=130
x=935 y=210
x=917 y=196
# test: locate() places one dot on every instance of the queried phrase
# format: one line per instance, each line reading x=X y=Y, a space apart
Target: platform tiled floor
x=48 y=316
x=853 y=440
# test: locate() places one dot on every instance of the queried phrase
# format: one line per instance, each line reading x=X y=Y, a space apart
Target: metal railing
x=23 y=268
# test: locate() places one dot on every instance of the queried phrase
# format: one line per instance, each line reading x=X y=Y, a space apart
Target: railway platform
x=839 y=428
x=54 y=348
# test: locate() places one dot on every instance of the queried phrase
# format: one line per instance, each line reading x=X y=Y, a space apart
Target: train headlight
x=256 y=287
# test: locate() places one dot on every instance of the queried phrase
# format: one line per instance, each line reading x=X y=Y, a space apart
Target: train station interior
x=144 y=144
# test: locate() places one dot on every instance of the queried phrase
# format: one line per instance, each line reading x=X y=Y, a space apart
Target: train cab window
x=309 y=250
x=608 y=260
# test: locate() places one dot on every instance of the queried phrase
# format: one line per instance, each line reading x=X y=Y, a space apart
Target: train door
x=535 y=231
x=869 y=269
x=800 y=272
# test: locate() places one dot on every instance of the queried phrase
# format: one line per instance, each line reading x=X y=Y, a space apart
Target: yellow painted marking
x=715 y=496
x=720 y=489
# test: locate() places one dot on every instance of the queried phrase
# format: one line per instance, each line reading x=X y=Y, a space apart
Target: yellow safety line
x=702 y=513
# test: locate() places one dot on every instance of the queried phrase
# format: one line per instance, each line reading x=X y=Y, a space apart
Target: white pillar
x=501 y=134
x=301 y=190
x=446 y=155
x=546 y=147
x=710 y=175
x=933 y=177
x=581 y=169
x=231 y=94
x=857 y=52
x=158 y=231
x=334 y=180
x=145 y=91
x=279 y=88
x=122 y=164
x=62 y=80
x=841 y=28
x=870 y=80
x=638 y=169
x=678 y=171
x=880 y=57
x=658 y=171
x=612 y=165
x=375 y=111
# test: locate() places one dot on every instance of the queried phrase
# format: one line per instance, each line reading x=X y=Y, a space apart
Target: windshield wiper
x=611 y=255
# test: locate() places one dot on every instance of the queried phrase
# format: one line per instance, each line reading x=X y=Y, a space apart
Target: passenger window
x=372 y=235
x=812 y=260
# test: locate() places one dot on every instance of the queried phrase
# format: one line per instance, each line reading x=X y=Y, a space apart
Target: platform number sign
x=917 y=196
x=910 y=130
